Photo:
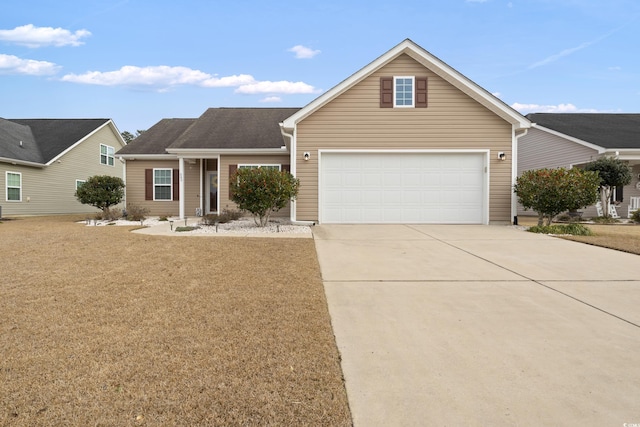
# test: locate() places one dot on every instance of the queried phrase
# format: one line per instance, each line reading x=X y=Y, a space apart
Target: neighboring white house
x=571 y=139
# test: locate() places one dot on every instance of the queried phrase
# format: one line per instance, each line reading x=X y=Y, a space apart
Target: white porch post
x=181 y=175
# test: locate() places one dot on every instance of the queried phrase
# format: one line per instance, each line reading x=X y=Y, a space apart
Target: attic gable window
x=107 y=155
x=403 y=92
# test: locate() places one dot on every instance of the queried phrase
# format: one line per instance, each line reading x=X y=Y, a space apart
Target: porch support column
x=182 y=197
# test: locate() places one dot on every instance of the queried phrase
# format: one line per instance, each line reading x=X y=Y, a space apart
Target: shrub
x=635 y=216
x=612 y=173
x=552 y=191
x=605 y=220
x=101 y=191
x=263 y=191
x=136 y=213
x=225 y=216
x=186 y=228
x=573 y=229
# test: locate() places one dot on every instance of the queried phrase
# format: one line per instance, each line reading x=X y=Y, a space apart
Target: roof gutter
x=198 y=152
x=22 y=162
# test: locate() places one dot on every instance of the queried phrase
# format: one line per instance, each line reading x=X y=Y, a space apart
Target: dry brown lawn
x=103 y=327
x=622 y=237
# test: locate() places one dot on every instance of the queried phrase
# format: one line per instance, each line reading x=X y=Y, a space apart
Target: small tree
x=613 y=173
x=262 y=191
x=552 y=191
x=101 y=191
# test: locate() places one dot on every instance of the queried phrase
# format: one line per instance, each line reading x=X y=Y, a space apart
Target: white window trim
x=112 y=156
x=6 y=187
x=247 y=165
x=413 y=92
x=170 y=199
x=78 y=181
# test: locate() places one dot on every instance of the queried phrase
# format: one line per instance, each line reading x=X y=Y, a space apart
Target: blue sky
x=138 y=61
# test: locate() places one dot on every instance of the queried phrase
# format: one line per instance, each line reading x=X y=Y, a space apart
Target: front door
x=212 y=192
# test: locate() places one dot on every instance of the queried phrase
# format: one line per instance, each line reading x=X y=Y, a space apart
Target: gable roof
x=429 y=61
x=609 y=131
x=43 y=140
x=158 y=137
x=235 y=128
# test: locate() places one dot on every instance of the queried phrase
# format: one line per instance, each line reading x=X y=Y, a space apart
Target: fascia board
x=87 y=136
x=21 y=162
x=195 y=153
x=429 y=61
x=598 y=148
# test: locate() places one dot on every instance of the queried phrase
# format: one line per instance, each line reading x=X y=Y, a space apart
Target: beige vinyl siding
x=136 y=187
x=51 y=190
x=540 y=149
x=453 y=120
x=223 y=176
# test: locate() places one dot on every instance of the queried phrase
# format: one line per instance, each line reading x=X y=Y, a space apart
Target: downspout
x=514 y=175
x=293 y=166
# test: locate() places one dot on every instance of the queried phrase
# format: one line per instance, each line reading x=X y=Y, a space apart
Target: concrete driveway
x=482 y=326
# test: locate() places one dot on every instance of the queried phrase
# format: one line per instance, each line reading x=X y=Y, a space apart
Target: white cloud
x=10 y=64
x=560 y=108
x=615 y=68
x=476 y=1
x=32 y=36
x=164 y=77
x=283 y=86
x=303 y=52
x=271 y=99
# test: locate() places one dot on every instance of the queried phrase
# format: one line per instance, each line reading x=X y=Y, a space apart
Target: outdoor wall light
x=306 y=156
x=502 y=156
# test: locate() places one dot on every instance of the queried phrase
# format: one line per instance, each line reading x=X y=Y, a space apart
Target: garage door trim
x=484 y=152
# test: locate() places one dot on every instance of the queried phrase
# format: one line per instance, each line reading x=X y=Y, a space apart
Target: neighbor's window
x=14 y=186
x=276 y=167
x=403 y=91
x=79 y=183
x=107 y=155
x=162 y=184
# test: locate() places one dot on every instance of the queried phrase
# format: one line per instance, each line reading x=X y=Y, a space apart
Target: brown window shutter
x=148 y=184
x=421 y=92
x=176 y=184
x=285 y=168
x=386 y=92
x=232 y=170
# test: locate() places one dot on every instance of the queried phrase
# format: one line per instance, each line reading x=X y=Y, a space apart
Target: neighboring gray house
x=568 y=140
x=42 y=162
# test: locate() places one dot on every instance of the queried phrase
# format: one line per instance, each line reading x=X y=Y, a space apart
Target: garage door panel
x=402 y=188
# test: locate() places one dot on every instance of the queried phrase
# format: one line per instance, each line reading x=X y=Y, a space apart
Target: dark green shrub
x=635 y=216
x=187 y=228
x=101 y=191
x=573 y=229
x=605 y=220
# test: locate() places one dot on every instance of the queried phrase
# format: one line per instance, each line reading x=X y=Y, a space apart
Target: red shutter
x=232 y=170
x=148 y=184
x=176 y=184
x=386 y=92
x=421 y=92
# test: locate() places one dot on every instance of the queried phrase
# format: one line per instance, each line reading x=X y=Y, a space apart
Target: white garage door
x=438 y=188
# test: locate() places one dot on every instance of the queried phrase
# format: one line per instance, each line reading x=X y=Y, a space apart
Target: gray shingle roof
x=236 y=128
x=158 y=137
x=606 y=130
x=43 y=139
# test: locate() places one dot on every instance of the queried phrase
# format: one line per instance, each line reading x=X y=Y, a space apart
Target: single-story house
x=406 y=139
x=574 y=139
x=43 y=161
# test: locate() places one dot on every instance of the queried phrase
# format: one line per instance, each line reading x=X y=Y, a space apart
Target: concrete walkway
x=482 y=326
